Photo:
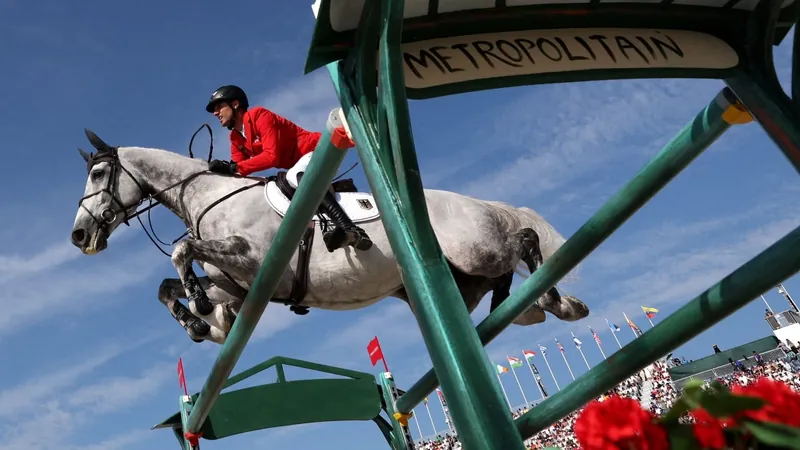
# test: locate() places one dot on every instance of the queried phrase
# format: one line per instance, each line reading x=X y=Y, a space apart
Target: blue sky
x=88 y=351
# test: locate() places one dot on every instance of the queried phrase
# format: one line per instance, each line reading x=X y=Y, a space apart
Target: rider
x=260 y=140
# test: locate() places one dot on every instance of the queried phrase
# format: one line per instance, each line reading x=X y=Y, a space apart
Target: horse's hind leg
x=564 y=307
x=171 y=291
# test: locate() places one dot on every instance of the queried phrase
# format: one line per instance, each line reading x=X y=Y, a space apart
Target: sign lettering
x=456 y=59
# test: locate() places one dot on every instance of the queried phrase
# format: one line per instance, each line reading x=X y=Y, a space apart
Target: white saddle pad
x=359 y=206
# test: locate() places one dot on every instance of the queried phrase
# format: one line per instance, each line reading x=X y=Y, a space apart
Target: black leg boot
x=345 y=233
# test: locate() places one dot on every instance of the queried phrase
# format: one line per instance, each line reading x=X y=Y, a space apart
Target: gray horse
x=484 y=242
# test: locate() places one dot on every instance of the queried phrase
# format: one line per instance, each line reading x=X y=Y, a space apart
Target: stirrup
x=346 y=236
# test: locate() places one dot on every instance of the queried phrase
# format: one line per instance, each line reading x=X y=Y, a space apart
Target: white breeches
x=291 y=174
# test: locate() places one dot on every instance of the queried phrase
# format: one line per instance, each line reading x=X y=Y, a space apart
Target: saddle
x=300 y=285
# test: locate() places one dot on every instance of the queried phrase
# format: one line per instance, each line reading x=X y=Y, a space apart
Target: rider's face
x=224 y=112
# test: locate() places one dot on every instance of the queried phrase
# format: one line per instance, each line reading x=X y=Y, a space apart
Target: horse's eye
x=97 y=175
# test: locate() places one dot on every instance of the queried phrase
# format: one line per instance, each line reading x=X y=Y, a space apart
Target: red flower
x=782 y=403
x=708 y=430
x=619 y=424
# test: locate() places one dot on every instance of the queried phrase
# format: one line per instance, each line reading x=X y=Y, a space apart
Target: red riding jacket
x=271 y=142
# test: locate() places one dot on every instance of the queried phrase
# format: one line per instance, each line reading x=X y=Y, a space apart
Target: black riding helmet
x=228 y=93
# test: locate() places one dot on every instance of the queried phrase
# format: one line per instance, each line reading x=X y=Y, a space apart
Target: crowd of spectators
x=662 y=394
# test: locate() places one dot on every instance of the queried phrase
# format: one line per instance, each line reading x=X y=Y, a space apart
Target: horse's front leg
x=213 y=327
x=222 y=253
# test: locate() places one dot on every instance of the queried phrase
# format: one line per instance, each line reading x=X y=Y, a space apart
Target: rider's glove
x=223 y=167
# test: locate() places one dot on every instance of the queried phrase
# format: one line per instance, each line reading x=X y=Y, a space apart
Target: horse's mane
x=173 y=157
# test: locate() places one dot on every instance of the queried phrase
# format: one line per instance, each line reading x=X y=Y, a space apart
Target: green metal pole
x=479 y=412
x=776 y=112
x=695 y=137
x=321 y=170
x=775 y=264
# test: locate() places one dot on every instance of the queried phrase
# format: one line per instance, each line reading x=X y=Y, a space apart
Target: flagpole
x=419 y=428
x=614 y=333
x=564 y=355
x=768 y=307
x=503 y=389
x=524 y=397
x=430 y=416
x=440 y=394
x=544 y=355
x=530 y=367
x=782 y=290
x=581 y=352
x=597 y=341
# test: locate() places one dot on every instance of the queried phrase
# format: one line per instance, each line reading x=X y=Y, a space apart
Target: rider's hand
x=223 y=167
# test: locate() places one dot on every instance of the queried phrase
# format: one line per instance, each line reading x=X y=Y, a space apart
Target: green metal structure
x=380 y=53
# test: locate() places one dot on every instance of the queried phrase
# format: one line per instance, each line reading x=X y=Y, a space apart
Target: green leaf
x=683 y=438
x=726 y=405
x=716 y=386
x=693 y=385
x=680 y=407
x=775 y=434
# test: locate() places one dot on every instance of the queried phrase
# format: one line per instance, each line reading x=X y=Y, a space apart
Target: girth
x=300 y=284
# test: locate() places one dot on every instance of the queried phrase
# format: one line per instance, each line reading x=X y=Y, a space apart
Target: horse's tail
x=550 y=239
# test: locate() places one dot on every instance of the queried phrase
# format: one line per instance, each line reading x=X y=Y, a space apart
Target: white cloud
x=112 y=393
x=577 y=129
x=117 y=442
x=306 y=100
x=70 y=289
x=56 y=254
x=49 y=409
x=276 y=318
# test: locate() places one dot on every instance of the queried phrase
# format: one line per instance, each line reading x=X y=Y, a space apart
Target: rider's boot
x=345 y=232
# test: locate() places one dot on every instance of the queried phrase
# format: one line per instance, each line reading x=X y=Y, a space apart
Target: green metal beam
x=477 y=405
x=689 y=143
x=321 y=170
x=757 y=276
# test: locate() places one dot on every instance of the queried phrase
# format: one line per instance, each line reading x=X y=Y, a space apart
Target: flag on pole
x=636 y=330
x=182 y=377
x=500 y=369
x=543 y=350
x=376 y=353
x=595 y=336
x=614 y=329
x=649 y=312
x=577 y=341
x=514 y=362
x=529 y=354
x=597 y=341
x=560 y=347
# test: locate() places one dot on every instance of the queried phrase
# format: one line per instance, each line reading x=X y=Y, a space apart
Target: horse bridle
x=109 y=215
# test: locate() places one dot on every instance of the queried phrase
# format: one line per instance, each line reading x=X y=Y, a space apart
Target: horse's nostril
x=79 y=236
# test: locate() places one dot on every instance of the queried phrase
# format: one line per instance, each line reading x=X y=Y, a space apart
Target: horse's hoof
x=573 y=309
x=199 y=327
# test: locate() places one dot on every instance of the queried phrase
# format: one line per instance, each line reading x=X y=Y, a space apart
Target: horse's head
x=112 y=194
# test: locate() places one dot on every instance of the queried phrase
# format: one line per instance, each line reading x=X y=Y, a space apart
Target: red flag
x=376 y=353
x=181 y=377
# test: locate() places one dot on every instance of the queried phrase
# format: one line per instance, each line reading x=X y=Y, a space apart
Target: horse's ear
x=86 y=156
x=96 y=141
